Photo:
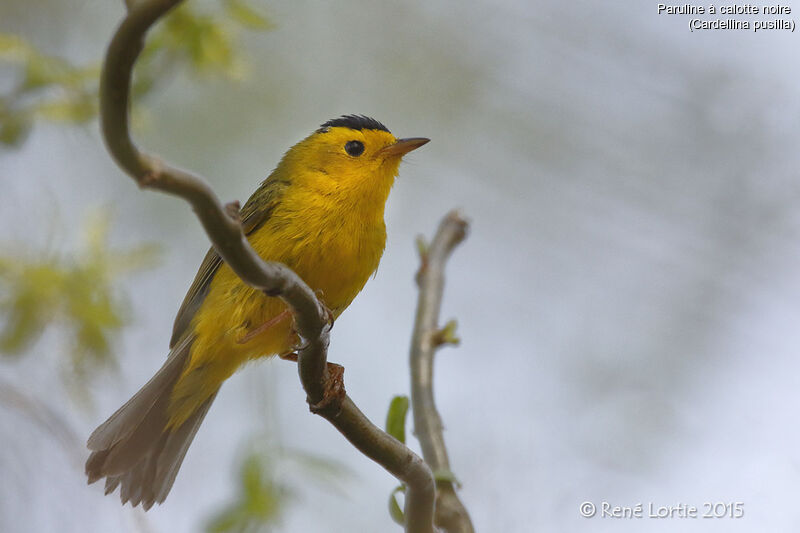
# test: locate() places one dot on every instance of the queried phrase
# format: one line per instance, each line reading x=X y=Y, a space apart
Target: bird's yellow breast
x=334 y=255
x=335 y=251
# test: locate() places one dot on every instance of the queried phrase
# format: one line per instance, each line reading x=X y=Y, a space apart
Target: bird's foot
x=334 y=391
x=332 y=398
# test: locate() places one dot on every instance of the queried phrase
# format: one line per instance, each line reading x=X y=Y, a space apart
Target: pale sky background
x=628 y=297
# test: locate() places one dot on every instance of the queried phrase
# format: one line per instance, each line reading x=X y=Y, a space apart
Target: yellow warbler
x=320 y=212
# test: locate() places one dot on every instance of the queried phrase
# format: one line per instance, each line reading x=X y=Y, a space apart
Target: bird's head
x=352 y=152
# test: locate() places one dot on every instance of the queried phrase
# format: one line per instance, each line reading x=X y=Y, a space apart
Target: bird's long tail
x=135 y=449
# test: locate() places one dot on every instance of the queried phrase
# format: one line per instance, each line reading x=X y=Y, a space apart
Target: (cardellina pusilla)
x=320 y=212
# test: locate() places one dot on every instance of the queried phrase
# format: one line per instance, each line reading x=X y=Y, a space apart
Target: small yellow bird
x=320 y=212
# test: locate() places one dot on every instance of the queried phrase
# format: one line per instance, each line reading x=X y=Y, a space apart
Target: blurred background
x=627 y=300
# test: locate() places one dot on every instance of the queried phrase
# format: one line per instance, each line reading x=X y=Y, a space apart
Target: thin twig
x=451 y=515
x=274 y=279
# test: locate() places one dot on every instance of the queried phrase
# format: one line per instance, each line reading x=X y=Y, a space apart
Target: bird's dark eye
x=354 y=148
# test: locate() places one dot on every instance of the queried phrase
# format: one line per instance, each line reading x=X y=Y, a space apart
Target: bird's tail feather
x=134 y=449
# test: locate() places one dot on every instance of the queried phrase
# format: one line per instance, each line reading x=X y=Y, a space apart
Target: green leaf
x=41 y=71
x=74 y=293
x=13 y=48
x=258 y=503
x=252 y=476
x=31 y=294
x=52 y=88
x=422 y=246
x=247 y=16
x=396 y=418
x=228 y=520
x=14 y=128
x=395 y=511
x=76 y=110
x=448 y=476
x=447 y=335
x=199 y=37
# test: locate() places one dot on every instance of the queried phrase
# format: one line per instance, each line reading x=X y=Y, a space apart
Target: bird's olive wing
x=255 y=212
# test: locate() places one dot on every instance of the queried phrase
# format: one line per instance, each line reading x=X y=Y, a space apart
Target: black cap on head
x=354 y=122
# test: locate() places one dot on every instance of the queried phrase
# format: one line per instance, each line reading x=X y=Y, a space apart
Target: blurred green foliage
x=48 y=87
x=51 y=88
x=258 y=503
x=76 y=293
x=265 y=484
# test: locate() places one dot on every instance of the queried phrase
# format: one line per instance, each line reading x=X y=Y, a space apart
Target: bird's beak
x=403 y=146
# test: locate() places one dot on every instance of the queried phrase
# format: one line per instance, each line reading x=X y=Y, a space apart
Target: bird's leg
x=247 y=337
